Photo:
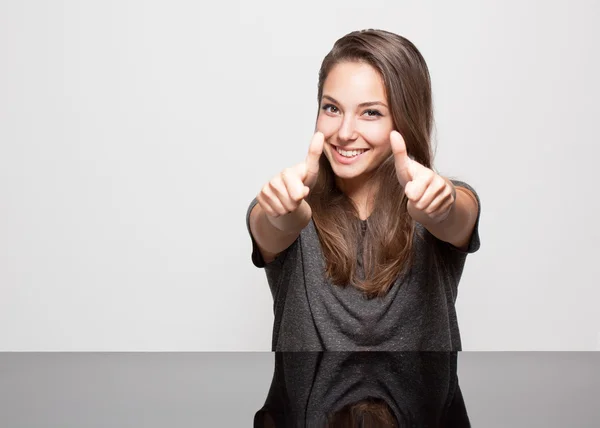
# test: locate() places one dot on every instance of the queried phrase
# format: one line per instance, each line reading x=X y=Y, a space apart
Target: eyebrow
x=367 y=104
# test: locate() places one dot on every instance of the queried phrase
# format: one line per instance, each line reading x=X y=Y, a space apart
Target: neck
x=359 y=190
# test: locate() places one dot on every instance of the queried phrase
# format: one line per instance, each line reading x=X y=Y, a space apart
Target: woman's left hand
x=430 y=196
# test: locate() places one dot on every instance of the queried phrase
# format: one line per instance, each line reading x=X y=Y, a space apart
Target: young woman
x=363 y=243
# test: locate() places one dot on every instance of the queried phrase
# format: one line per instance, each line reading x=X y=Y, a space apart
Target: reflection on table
x=364 y=389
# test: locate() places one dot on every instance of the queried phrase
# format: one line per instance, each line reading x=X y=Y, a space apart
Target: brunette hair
x=368 y=413
x=387 y=244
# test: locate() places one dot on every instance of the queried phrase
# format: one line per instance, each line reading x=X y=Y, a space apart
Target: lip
x=347 y=161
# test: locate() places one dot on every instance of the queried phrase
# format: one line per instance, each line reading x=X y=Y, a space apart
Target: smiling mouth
x=349 y=153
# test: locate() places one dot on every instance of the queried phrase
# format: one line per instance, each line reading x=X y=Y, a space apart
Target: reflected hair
x=368 y=413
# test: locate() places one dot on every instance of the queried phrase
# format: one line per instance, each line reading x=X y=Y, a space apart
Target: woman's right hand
x=285 y=192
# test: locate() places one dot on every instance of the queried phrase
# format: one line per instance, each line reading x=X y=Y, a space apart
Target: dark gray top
x=417 y=314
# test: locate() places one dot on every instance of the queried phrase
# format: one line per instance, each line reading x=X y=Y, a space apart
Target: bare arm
x=282 y=211
x=273 y=235
x=449 y=212
x=458 y=227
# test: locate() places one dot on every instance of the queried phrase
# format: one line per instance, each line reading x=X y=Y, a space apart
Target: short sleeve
x=256 y=256
x=474 y=242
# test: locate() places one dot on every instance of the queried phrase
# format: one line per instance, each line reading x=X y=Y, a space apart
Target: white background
x=134 y=134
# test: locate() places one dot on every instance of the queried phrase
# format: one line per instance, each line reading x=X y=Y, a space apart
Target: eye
x=372 y=113
x=330 y=108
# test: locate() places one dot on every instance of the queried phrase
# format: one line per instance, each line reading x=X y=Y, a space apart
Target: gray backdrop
x=134 y=134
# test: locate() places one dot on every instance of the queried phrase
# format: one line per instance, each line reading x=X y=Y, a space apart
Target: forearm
x=291 y=223
x=276 y=234
x=458 y=226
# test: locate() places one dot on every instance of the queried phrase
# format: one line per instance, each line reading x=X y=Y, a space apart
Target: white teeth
x=351 y=153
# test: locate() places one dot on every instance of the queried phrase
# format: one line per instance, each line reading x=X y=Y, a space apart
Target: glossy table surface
x=214 y=389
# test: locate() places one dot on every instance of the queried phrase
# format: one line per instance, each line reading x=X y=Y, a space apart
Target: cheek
x=378 y=137
x=327 y=125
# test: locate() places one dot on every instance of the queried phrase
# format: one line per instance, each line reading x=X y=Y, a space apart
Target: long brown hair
x=387 y=244
x=368 y=413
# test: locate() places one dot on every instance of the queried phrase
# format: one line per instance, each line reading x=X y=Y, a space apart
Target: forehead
x=354 y=83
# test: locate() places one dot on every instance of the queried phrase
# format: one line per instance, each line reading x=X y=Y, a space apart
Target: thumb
x=404 y=167
x=312 y=159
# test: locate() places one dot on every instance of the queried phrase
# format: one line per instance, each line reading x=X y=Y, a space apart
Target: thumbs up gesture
x=430 y=196
x=284 y=193
x=309 y=169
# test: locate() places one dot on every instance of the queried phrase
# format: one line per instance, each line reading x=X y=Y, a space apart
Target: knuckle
x=274 y=184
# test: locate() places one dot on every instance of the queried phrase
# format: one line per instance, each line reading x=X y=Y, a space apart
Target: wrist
x=293 y=222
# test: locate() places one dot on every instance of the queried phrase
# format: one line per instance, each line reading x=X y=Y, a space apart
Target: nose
x=347 y=131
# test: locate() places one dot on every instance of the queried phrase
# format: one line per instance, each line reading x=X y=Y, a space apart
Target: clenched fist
x=284 y=193
x=430 y=196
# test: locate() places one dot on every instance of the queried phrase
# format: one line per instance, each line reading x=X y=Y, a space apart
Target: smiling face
x=354 y=115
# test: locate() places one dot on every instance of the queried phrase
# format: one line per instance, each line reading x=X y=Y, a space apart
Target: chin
x=346 y=173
